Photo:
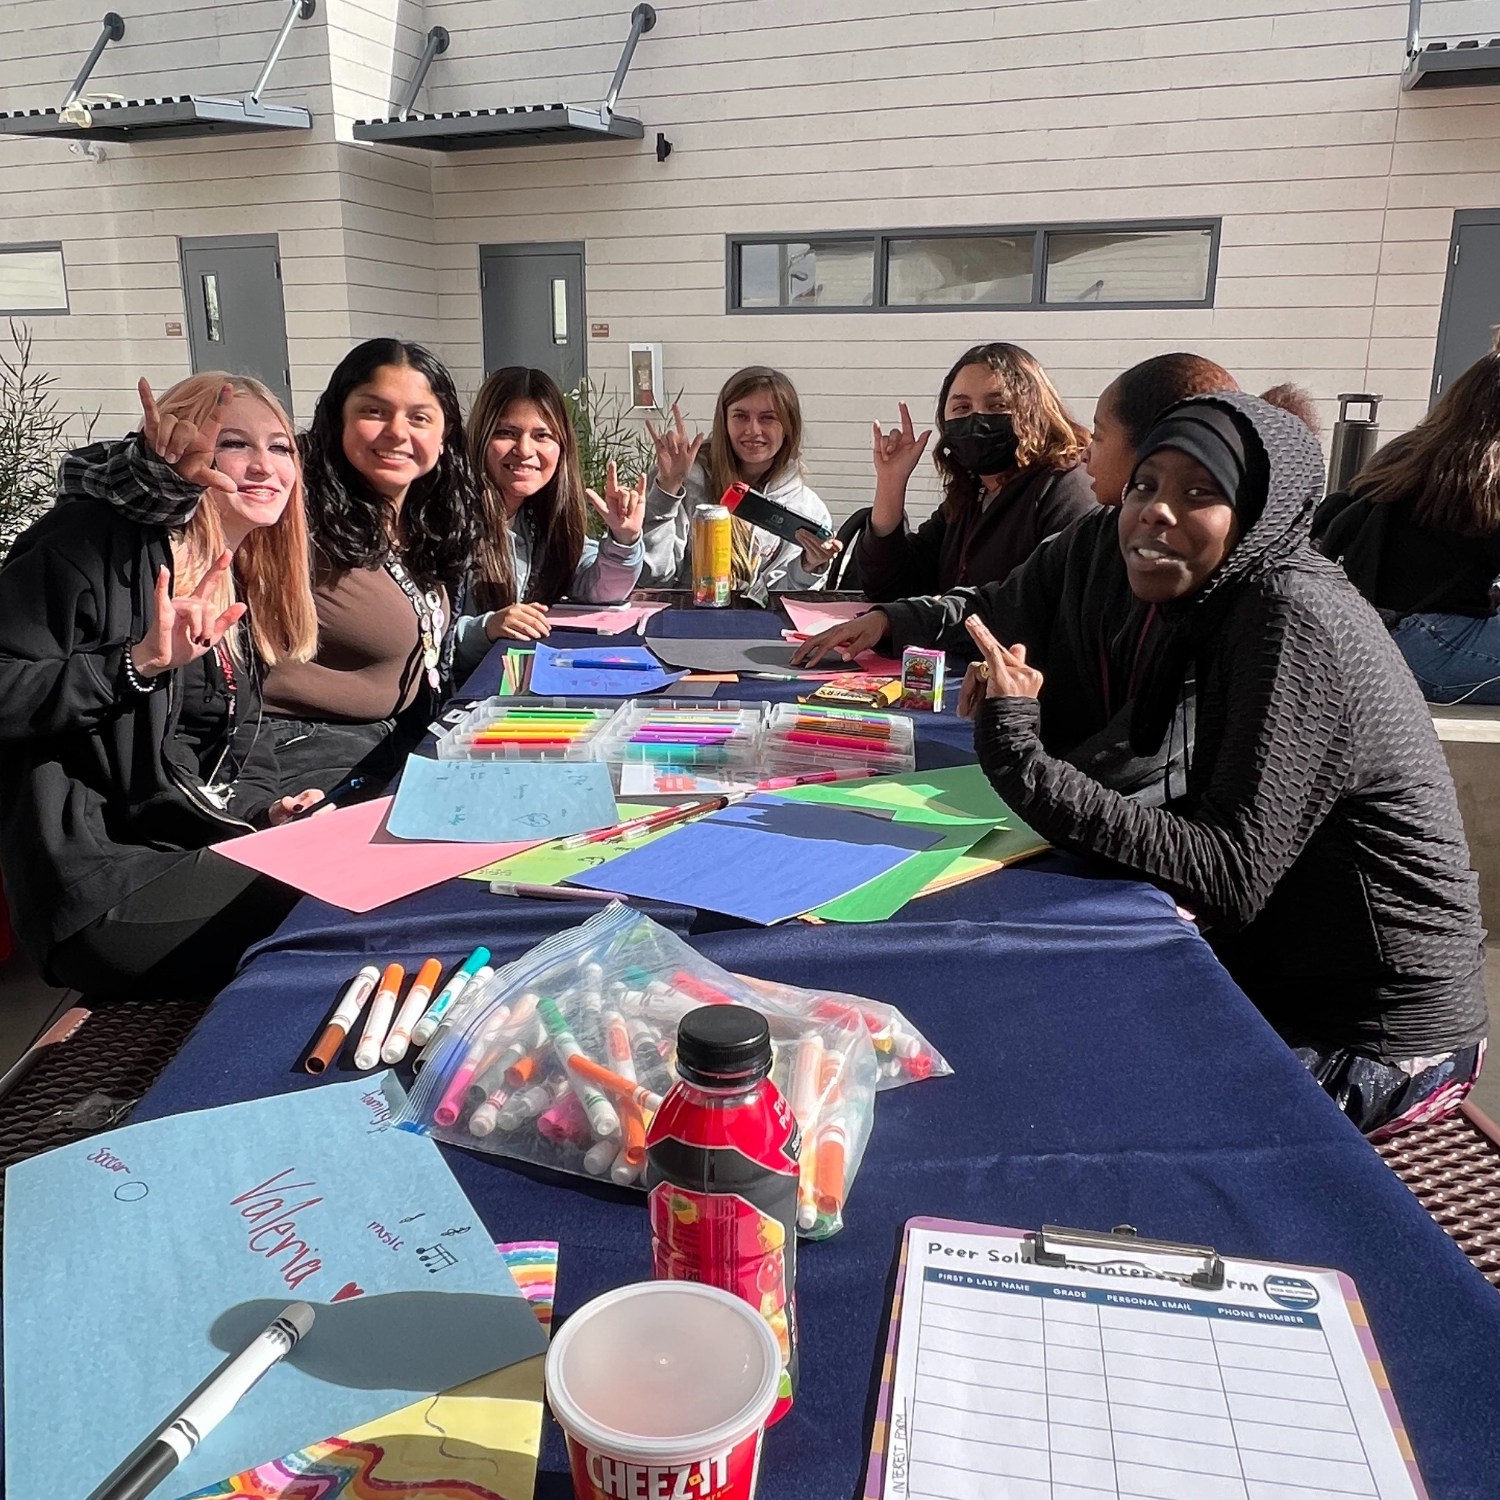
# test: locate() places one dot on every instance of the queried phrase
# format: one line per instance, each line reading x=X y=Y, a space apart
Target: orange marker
x=382 y=1007
x=413 y=1008
x=612 y=1083
x=833 y=1143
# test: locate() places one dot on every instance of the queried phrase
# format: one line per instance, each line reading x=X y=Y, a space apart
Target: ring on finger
x=984 y=671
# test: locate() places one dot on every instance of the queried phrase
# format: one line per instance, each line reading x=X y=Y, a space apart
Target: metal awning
x=1453 y=65
x=519 y=125
x=83 y=116
x=1463 y=64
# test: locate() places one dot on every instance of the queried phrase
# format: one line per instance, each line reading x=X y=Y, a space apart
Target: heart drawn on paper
x=345 y=1292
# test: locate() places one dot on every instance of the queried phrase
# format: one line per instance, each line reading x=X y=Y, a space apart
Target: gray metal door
x=1471 y=297
x=236 y=317
x=531 y=297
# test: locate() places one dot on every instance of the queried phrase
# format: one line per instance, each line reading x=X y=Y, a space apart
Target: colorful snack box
x=922 y=679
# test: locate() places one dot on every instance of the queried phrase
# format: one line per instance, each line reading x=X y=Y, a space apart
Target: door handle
x=559 y=310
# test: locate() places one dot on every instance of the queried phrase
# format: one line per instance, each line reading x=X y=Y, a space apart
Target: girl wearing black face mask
x=1010 y=460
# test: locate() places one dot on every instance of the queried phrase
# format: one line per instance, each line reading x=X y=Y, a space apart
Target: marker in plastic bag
x=378 y=1022
x=421 y=1033
x=487 y=1115
x=360 y=988
x=455 y=1095
x=601 y=1113
x=631 y=1157
x=613 y=1084
x=412 y=1009
x=566 y=1123
x=530 y=1103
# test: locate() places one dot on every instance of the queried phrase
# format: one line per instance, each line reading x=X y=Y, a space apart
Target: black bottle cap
x=723 y=1046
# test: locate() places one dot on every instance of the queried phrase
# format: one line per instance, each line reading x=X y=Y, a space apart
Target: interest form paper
x=1014 y=1381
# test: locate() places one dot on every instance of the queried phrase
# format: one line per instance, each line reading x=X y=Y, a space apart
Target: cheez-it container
x=721 y=1174
x=663 y=1389
x=713 y=550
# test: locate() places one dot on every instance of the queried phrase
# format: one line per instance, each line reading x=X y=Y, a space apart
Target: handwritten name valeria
x=273 y=1232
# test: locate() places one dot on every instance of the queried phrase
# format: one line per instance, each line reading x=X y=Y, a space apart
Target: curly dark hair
x=346 y=516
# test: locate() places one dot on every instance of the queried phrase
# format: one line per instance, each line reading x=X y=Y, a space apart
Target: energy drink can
x=722 y=1174
x=712 y=553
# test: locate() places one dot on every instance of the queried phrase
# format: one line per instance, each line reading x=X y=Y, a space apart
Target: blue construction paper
x=764 y=859
x=138 y=1260
x=548 y=679
x=500 y=801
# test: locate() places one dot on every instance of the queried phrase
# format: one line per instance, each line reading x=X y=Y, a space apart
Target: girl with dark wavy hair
x=1009 y=457
x=393 y=512
x=534 y=548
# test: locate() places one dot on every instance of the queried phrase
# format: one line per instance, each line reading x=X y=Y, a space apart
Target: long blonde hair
x=271 y=564
x=721 y=465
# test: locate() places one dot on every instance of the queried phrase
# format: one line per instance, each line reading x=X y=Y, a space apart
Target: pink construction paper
x=609 y=619
x=347 y=859
x=811 y=618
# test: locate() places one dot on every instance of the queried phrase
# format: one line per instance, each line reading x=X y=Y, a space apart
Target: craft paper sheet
x=347 y=859
x=764 y=859
x=500 y=801
x=1081 y=1384
x=812 y=618
x=548 y=678
x=138 y=1260
x=479 y=1441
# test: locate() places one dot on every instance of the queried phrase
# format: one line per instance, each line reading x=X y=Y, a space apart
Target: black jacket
x=1319 y=839
x=980 y=547
x=1404 y=568
x=102 y=787
x=1071 y=606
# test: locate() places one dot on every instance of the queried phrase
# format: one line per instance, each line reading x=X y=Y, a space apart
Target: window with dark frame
x=1159 y=263
x=33 y=280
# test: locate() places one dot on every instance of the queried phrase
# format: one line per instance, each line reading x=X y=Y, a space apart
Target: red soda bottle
x=721 y=1174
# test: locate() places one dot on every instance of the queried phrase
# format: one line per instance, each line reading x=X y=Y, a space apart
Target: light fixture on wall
x=663 y=146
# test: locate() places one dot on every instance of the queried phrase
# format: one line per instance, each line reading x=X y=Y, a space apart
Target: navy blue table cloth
x=1108 y=1071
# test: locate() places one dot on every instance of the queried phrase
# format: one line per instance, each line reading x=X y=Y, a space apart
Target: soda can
x=712 y=552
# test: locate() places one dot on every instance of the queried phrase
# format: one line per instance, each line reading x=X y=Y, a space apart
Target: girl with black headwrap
x=1318 y=838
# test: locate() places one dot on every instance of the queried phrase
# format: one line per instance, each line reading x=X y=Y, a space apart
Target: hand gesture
x=675 y=453
x=623 y=506
x=898 y=451
x=848 y=639
x=1004 y=668
x=188 y=443
x=183 y=629
x=816 y=553
x=518 y=622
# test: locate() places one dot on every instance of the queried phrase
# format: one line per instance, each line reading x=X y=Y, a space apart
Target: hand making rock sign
x=187 y=443
x=184 y=628
x=623 y=507
x=676 y=453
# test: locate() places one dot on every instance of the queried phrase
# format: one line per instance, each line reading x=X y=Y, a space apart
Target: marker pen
x=206 y=1408
x=421 y=1033
x=412 y=1008
x=378 y=1022
x=601 y=1113
x=361 y=987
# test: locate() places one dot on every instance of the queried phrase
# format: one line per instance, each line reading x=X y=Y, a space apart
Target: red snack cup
x=664 y=1388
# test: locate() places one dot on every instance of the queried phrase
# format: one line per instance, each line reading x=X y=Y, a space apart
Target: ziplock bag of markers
x=562 y=1057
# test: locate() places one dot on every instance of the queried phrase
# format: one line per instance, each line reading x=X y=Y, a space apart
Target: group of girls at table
x=218 y=622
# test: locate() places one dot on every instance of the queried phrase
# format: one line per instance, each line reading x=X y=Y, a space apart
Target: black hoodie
x=1319 y=840
x=102 y=787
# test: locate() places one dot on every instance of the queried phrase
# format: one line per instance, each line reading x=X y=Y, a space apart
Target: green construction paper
x=956 y=794
x=550 y=864
x=985 y=835
x=883 y=897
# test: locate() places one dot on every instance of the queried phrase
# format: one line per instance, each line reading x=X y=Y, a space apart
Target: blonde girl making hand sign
x=135 y=619
x=756 y=440
x=535 y=549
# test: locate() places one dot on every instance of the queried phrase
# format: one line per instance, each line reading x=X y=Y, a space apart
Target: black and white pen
x=144 y=1469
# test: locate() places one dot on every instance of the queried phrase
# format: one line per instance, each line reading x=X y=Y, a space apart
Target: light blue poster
x=138 y=1260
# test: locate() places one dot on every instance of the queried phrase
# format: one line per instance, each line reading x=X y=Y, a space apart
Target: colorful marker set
x=725 y=736
x=389 y=1034
x=803 y=736
x=500 y=729
x=564 y=1057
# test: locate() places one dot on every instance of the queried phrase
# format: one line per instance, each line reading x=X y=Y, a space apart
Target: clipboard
x=1008 y=1279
